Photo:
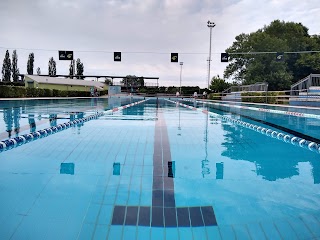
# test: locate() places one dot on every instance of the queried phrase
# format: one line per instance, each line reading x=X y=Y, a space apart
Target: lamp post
x=181 y=63
x=210 y=25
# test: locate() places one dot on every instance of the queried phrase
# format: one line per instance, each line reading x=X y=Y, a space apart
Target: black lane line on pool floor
x=163 y=212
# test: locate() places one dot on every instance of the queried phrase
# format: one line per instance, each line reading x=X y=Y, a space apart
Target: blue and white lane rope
x=289 y=113
x=25 y=138
x=296 y=141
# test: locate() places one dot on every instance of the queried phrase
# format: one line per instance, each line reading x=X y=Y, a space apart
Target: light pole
x=210 y=25
x=181 y=63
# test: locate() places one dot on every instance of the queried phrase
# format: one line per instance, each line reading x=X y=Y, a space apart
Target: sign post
x=67 y=55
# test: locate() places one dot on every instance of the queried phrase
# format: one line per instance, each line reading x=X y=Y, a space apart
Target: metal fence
x=257 y=87
x=313 y=80
x=146 y=84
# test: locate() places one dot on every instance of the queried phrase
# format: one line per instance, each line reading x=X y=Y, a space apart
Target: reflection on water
x=271 y=163
x=219 y=170
x=27 y=115
x=11 y=117
x=307 y=126
x=171 y=169
x=32 y=122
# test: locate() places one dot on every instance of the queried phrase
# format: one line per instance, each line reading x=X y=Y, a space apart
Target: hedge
x=259 y=97
x=215 y=96
x=20 y=92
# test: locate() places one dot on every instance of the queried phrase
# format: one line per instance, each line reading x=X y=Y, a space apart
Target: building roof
x=65 y=81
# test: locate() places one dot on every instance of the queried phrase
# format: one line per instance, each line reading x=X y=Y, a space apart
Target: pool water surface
x=155 y=170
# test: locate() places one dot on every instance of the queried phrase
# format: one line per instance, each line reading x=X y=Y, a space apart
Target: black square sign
x=280 y=56
x=174 y=57
x=65 y=55
x=69 y=55
x=117 y=56
x=224 y=57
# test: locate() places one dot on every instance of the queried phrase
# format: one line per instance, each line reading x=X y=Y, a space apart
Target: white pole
x=209 y=57
x=73 y=69
x=181 y=63
x=210 y=25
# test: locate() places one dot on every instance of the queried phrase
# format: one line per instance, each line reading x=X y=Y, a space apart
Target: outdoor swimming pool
x=156 y=169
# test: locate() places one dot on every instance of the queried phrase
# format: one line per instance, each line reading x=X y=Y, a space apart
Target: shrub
x=215 y=96
x=8 y=91
x=260 y=97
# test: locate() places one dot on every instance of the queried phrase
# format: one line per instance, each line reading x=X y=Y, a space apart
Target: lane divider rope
x=296 y=141
x=297 y=114
x=25 y=138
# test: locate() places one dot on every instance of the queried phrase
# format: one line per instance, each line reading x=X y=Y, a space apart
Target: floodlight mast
x=210 y=25
x=181 y=63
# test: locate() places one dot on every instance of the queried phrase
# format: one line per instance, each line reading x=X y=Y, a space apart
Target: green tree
x=218 y=84
x=38 y=71
x=30 y=64
x=52 y=69
x=6 y=67
x=310 y=63
x=238 y=63
x=80 y=69
x=71 y=69
x=130 y=80
x=14 y=68
x=140 y=81
x=108 y=81
x=249 y=62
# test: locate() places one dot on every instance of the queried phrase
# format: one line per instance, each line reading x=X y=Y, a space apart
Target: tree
x=14 y=68
x=279 y=36
x=140 y=81
x=130 y=80
x=6 y=67
x=237 y=66
x=30 y=64
x=52 y=70
x=218 y=84
x=80 y=68
x=108 y=81
x=71 y=69
x=38 y=71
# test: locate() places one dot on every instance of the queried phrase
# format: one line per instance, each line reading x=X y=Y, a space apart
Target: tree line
x=10 y=68
x=301 y=57
x=279 y=36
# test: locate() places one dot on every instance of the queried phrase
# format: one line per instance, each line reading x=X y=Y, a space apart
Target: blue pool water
x=155 y=170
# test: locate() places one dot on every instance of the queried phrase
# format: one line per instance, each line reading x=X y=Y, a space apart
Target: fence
x=257 y=87
x=303 y=86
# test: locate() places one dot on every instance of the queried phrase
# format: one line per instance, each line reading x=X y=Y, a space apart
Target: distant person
x=204 y=94
x=195 y=94
x=177 y=94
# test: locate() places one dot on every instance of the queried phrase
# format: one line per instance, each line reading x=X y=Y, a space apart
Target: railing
x=273 y=97
x=259 y=86
x=146 y=84
x=313 y=80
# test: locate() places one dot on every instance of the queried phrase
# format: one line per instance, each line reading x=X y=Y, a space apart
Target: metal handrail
x=259 y=86
x=304 y=84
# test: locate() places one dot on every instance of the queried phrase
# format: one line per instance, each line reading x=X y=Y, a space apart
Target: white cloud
x=101 y=27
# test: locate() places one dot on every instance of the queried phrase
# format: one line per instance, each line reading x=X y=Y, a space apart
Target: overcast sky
x=145 y=31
